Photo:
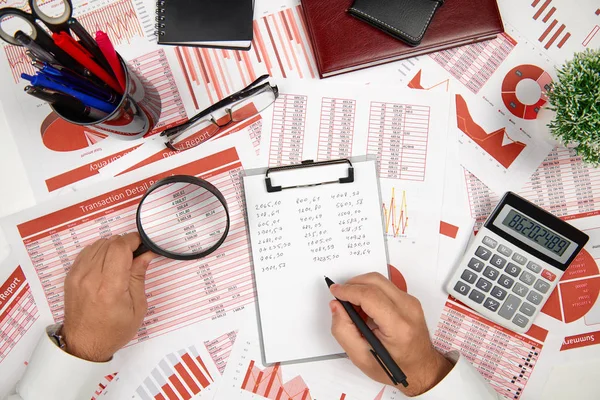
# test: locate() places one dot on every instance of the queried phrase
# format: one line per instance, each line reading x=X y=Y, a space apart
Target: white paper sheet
x=406 y=129
x=46 y=239
x=299 y=236
x=20 y=323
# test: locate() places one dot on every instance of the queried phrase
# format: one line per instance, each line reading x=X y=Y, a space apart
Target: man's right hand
x=400 y=325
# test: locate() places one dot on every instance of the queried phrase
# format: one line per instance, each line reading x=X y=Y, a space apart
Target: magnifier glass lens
x=183 y=218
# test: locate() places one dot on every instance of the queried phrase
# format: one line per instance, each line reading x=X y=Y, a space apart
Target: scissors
x=38 y=34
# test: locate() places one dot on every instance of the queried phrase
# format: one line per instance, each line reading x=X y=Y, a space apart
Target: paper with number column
x=300 y=235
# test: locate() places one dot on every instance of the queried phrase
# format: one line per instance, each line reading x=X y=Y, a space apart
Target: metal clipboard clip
x=309 y=164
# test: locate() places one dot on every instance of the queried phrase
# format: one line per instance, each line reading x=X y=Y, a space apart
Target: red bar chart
x=269 y=384
x=555 y=32
x=280 y=49
x=178 y=376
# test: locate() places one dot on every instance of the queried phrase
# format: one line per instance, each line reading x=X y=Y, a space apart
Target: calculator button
x=534 y=297
x=519 y=258
x=509 y=307
x=548 y=275
x=491 y=273
x=527 y=278
x=498 y=261
x=488 y=241
x=483 y=253
x=491 y=304
x=521 y=290
x=534 y=267
x=468 y=276
x=476 y=296
x=498 y=293
x=484 y=285
x=541 y=286
x=520 y=320
x=505 y=251
x=527 y=309
x=506 y=281
x=476 y=265
x=462 y=288
x=513 y=270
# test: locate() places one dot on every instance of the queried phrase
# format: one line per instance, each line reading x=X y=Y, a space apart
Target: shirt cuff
x=463 y=382
x=54 y=374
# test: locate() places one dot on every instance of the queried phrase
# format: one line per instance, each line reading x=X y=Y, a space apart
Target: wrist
x=85 y=352
x=433 y=370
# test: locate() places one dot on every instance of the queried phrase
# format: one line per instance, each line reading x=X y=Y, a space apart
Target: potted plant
x=575 y=98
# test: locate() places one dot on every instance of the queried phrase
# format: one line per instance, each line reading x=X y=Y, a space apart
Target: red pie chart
x=577 y=291
x=397 y=278
x=509 y=90
x=60 y=135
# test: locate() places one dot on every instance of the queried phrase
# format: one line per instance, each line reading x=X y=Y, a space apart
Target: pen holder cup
x=135 y=115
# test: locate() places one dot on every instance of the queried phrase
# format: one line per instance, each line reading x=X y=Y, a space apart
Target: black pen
x=63 y=102
x=378 y=350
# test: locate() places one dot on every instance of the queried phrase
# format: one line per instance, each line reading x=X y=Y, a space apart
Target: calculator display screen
x=536 y=234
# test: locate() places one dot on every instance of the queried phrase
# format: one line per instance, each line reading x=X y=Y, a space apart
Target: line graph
x=396 y=215
x=179 y=375
x=280 y=48
x=269 y=384
x=118 y=19
x=497 y=144
x=415 y=83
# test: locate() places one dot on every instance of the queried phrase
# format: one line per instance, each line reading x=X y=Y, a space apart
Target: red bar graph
x=269 y=384
x=280 y=48
x=555 y=29
x=178 y=376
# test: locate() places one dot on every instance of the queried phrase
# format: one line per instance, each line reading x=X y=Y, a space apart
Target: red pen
x=84 y=59
x=109 y=52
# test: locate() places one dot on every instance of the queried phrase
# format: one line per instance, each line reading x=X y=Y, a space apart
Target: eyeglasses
x=241 y=105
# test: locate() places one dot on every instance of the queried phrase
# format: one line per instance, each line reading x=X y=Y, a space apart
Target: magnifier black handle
x=140 y=250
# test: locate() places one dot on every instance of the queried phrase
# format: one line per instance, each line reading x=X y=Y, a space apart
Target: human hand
x=399 y=324
x=105 y=299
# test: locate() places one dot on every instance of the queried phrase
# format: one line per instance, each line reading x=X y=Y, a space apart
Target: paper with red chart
x=21 y=325
x=181 y=365
x=498 y=85
x=247 y=378
x=47 y=238
x=187 y=80
x=300 y=235
x=405 y=129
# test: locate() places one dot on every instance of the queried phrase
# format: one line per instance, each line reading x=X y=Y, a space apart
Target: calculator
x=515 y=262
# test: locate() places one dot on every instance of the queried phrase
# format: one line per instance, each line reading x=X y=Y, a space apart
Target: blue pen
x=66 y=78
x=87 y=100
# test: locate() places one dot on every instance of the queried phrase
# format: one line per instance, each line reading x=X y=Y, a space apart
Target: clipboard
x=309 y=164
x=306 y=221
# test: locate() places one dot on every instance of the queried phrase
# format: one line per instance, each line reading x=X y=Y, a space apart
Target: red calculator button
x=548 y=275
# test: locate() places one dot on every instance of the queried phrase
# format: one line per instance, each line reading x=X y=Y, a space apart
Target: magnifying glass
x=182 y=217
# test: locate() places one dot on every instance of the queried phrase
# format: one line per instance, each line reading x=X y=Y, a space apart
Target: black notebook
x=205 y=23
